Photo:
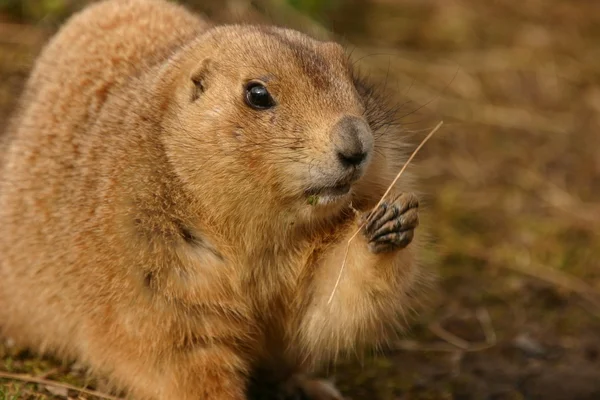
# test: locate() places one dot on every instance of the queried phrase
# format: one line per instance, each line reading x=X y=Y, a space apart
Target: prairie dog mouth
x=327 y=194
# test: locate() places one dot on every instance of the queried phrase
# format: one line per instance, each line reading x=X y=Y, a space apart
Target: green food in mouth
x=313 y=199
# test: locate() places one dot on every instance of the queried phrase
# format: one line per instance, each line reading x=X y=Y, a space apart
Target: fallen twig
x=453 y=342
x=486 y=325
x=41 y=381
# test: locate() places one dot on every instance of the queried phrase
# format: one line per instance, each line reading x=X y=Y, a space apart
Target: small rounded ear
x=338 y=52
x=199 y=78
x=333 y=47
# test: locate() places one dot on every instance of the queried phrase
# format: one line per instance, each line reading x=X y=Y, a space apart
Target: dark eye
x=258 y=97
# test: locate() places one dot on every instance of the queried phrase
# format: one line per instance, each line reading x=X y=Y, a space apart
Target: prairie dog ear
x=333 y=48
x=200 y=76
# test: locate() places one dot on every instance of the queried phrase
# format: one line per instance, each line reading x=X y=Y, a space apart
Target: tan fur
x=160 y=234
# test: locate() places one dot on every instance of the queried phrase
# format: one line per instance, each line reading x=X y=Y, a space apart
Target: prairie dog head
x=272 y=116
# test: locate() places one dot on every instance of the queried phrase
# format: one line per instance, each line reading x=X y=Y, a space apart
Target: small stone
x=529 y=346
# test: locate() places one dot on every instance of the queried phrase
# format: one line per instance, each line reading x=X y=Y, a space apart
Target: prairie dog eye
x=257 y=96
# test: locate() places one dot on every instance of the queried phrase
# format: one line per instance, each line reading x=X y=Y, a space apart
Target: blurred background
x=511 y=182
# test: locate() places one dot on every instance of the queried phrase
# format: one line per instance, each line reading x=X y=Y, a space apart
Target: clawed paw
x=391 y=226
x=303 y=388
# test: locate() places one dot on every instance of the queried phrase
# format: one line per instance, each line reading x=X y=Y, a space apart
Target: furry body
x=157 y=228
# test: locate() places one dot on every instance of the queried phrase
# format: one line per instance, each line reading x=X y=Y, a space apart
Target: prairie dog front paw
x=391 y=226
x=304 y=388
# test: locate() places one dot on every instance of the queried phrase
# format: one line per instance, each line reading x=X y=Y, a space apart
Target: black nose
x=353 y=141
x=351 y=157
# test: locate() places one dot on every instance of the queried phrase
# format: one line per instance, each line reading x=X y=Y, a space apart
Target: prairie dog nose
x=352 y=141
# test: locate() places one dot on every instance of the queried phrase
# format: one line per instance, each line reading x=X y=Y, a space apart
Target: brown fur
x=156 y=229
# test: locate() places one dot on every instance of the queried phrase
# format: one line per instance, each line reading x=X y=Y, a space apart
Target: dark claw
x=391 y=226
x=391 y=241
x=296 y=395
x=373 y=216
x=384 y=214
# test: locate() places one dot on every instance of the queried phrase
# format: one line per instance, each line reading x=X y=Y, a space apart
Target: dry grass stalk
x=41 y=381
x=337 y=282
x=543 y=273
x=486 y=325
x=453 y=342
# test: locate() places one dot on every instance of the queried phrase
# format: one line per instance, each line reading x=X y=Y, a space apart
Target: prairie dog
x=176 y=199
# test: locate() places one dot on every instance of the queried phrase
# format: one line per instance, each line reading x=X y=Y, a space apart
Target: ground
x=511 y=182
